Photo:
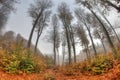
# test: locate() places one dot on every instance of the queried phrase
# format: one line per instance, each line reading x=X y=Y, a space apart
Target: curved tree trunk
x=112 y=29
x=106 y=33
x=91 y=39
x=110 y=26
x=35 y=50
x=33 y=28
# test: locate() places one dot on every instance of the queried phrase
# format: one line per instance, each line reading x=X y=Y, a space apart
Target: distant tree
x=72 y=38
x=9 y=36
x=36 y=12
x=66 y=17
x=54 y=37
x=19 y=38
x=98 y=36
x=81 y=33
x=64 y=42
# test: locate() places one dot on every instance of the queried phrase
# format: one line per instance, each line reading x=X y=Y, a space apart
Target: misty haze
x=59 y=40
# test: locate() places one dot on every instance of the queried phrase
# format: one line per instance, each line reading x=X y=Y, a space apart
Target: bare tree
x=36 y=10
x=66 y=17
x=43 y=22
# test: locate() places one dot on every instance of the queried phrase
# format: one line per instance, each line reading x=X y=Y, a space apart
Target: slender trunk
x=103 y=46
x=69 y=46
x=102 y=42
x=63 y=52
x=54 y=48
x=87 y=56
x=88 y=51
x=58 y=56
x=68 y=40
x=33 y=28
x=93 y=45
x=106 y=33
x=30 y=38
x=35 y=50
x=54 y=53
x=73 y=42
x=38 y=36
x=112 y=29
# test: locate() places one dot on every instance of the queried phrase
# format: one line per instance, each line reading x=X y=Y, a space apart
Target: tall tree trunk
x=112 y=29
x=69 y=46
x=38 y=36
x=106 y=33
x=88 y=51
x=54 y=49
x=33 y=28
x=73 y=42
x=93 y=45
x=35 y=50
x=68 y=40
x=63 y=52
x=58 y=56
x=87 y=55
x=54 y=54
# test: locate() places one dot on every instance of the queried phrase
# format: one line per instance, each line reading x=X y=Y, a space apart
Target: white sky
x=20 y=22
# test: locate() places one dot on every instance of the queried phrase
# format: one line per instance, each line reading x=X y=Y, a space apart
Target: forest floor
x=112 y=74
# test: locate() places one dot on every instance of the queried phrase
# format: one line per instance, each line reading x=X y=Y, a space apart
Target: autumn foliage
x=16 y=59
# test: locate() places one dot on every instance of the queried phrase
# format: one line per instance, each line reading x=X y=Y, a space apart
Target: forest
x=84 y=39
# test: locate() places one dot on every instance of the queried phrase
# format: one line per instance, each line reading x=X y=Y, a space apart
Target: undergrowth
x=16 y=59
